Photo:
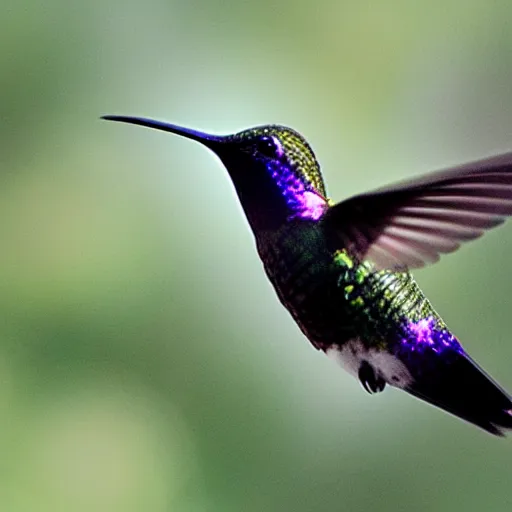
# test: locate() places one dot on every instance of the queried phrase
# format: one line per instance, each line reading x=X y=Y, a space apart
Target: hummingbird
x=343 y=269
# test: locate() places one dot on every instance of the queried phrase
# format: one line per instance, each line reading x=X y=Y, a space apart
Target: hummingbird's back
x=333 y=296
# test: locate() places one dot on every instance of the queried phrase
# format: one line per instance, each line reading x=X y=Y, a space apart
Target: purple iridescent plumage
x=304 y=202
x=426 y=335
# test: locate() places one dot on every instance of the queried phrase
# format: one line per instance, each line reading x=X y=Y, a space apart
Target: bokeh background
x=145 y=362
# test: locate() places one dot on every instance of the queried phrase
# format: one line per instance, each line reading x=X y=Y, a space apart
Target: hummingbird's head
x=284 y=152
x=273 y=168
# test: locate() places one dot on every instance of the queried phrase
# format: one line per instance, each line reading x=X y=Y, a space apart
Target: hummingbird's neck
x=302 y=199
x=275 y=196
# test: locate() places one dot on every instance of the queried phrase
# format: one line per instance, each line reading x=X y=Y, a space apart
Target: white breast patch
x=353 y=353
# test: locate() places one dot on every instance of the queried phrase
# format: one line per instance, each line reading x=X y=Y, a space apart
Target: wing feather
x=412 y=223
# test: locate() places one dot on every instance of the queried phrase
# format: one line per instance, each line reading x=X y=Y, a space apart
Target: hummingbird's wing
x=412 y=223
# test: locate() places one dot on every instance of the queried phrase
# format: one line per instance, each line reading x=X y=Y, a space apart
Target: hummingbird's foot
x=372 y=382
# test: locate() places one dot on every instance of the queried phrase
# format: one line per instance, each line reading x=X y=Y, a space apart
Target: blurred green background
x=145 y=362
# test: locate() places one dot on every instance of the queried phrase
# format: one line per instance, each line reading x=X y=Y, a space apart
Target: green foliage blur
x=145 y=362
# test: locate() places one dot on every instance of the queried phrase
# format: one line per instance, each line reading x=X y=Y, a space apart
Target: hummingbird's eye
x=270 y=146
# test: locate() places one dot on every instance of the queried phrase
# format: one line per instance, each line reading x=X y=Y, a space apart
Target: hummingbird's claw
x=371 y=382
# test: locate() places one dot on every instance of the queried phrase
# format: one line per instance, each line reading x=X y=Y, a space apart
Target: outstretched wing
x=412 y=223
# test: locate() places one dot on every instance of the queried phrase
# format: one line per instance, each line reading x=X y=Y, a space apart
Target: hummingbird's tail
x=462 y=388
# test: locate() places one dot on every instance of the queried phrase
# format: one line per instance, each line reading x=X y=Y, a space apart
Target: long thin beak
x=208 y=140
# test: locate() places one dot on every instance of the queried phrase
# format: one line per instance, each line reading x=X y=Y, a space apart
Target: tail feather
x=462 y=388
